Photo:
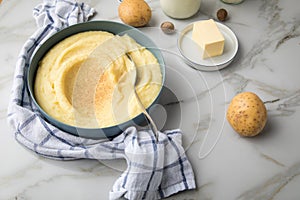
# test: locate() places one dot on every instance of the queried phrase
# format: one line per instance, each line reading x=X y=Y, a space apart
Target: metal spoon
x=132 y=69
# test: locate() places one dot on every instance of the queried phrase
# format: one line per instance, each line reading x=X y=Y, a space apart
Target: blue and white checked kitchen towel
x=155 y=169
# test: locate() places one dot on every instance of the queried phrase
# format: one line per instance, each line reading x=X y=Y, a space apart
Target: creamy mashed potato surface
x=84 y=80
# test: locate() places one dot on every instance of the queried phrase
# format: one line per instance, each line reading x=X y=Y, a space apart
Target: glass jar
x=232 y=1
x=180 y=9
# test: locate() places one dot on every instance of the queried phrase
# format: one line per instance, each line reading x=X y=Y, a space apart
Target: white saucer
x=192 y=54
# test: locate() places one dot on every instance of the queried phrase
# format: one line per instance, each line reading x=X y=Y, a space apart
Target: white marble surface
x=226 y=165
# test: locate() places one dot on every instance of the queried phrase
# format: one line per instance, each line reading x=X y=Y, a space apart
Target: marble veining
x=226 y=165
x=272 y=160
x=273 y=186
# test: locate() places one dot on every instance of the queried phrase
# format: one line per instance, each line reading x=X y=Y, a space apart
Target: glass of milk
x=180 y=9
x=232 y=1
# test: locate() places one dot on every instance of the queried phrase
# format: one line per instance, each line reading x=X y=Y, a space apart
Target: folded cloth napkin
x=156 y=169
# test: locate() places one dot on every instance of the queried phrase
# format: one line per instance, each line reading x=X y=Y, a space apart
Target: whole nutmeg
x=222 y=14
x=167 y=27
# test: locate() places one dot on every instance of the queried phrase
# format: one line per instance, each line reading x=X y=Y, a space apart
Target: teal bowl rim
x=98 y=25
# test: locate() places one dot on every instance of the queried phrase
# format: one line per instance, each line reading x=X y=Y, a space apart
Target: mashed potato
x=84 y=80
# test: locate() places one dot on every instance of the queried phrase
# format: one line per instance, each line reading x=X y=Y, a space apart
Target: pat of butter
x=208 y=36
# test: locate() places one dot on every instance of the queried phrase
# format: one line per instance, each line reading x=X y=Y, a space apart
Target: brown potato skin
x=136 y=13
x=247 y=114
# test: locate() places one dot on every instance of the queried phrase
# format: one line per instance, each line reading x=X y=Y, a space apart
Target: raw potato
x=135 y=13
x=247 y=114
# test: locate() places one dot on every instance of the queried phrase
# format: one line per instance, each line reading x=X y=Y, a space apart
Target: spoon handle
x=152 y=124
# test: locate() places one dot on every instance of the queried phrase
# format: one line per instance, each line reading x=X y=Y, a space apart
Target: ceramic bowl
x=109 y=26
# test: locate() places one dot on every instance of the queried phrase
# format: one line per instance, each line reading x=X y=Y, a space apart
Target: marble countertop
x=226 y=165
